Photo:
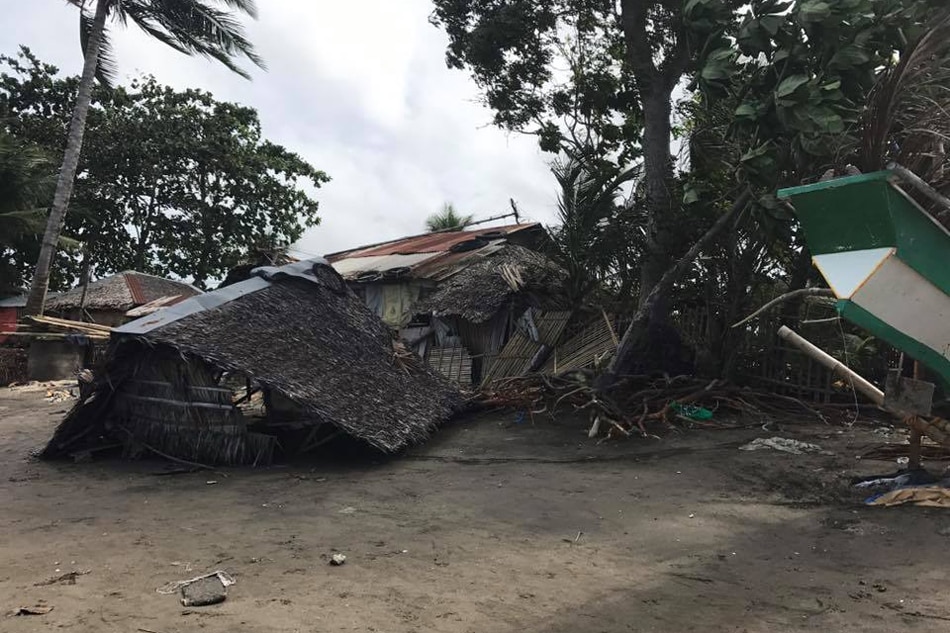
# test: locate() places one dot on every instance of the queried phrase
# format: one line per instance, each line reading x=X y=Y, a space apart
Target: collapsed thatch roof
x=121 y=292
x=477 y=292
x=302 y=334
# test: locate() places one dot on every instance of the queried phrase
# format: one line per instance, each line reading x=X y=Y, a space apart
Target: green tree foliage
x=591 y=74
x=448 y=219
x=192 y=27
x=595 y=239
x=26 y=179
x=774 y=93
x=170 y=182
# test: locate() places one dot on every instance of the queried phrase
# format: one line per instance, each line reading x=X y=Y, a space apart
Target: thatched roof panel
x=122 y=292
x=477 y=292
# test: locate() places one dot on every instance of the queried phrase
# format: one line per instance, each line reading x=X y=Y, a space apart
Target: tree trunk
x=637 y=328
x=67 y=173
x=658 y=185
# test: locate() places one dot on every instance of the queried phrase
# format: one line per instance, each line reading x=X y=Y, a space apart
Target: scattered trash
x=348 y=510
x=210 y=482
x=901 y=478
x=68 y=578
x=337 y=559
x=691 y=412
x=568 y=540
x=38 y=609
x=931 y=497
x=202 y=590
x=59 y=395
x=784 y=445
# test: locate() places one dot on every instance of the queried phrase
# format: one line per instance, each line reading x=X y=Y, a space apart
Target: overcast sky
x=360 y=89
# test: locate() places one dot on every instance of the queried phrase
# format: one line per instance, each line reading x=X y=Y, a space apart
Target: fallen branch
x=638 y=325
x=788 y=296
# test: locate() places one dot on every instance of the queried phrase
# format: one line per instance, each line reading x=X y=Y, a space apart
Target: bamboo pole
x=936 y=429
x=857 y=382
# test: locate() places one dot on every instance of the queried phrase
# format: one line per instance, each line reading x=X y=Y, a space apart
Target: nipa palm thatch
x=477 y=292
x=322 y=360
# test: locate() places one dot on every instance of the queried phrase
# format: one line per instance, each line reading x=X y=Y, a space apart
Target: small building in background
x=29 y=354
x=108 y=300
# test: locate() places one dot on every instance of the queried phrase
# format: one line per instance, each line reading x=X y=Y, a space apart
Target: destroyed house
x=294 y=340
x=458 y=298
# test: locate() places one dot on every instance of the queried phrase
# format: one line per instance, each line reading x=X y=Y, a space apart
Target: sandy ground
x=491 y=527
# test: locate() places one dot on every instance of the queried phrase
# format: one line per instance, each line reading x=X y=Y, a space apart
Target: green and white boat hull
x=886 y=260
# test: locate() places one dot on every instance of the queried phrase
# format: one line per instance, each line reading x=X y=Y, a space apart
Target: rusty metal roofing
x=428 y=242
x=428 y=256
x=353 y=266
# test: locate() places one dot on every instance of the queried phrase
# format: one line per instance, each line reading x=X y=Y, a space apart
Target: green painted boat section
x=912 y=347
x=868 y=211
x=844 y=214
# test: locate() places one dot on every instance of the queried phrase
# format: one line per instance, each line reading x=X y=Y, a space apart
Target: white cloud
x=359 y=89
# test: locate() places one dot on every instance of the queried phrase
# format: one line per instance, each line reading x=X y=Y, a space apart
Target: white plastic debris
x=783 y=445
x=226 y=579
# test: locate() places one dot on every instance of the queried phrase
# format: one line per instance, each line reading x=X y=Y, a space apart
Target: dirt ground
x=493 y=526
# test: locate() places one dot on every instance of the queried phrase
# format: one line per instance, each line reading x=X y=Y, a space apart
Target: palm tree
x=448 y=219
x=192 y=27
x=592 y=239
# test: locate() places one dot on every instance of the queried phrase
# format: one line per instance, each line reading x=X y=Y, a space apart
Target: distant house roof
x=434 y=256
x=122 y=291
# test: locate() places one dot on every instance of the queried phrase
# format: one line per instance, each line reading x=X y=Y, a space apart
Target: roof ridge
x=485 y=229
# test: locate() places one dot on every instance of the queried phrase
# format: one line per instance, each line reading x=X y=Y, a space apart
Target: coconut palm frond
x=448 y=219
x=195 y=27
x=107 y=69
x=908 y=114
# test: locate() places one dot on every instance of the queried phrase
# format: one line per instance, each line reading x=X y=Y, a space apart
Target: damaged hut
x=119 y=298
x=178 y=382
x=459 y=298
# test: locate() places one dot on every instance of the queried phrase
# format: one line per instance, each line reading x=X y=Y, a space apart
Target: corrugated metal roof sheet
x=428 y=242
x=429 y=256
x=353 y=266
x=261 y=279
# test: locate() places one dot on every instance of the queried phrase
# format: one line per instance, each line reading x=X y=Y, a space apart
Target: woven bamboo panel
x=594 y=340
x=517 y=356
x=455 y=363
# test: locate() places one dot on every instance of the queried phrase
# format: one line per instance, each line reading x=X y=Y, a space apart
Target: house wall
x=54 y=360
x=391 y=302
x=112 y=318
x=8 y=319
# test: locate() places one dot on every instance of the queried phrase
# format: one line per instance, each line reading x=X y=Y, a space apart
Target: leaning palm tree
x=192 y=27
x=448 y=219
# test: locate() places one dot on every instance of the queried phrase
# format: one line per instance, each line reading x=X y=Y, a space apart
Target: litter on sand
x=202 y=590
x=900 y=479
x=37 y=609
x=337 y=559
x=784 y=445
x=68 y=578
x=929 y=496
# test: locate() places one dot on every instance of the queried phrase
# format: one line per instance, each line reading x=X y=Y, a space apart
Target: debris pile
x=639 y=401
